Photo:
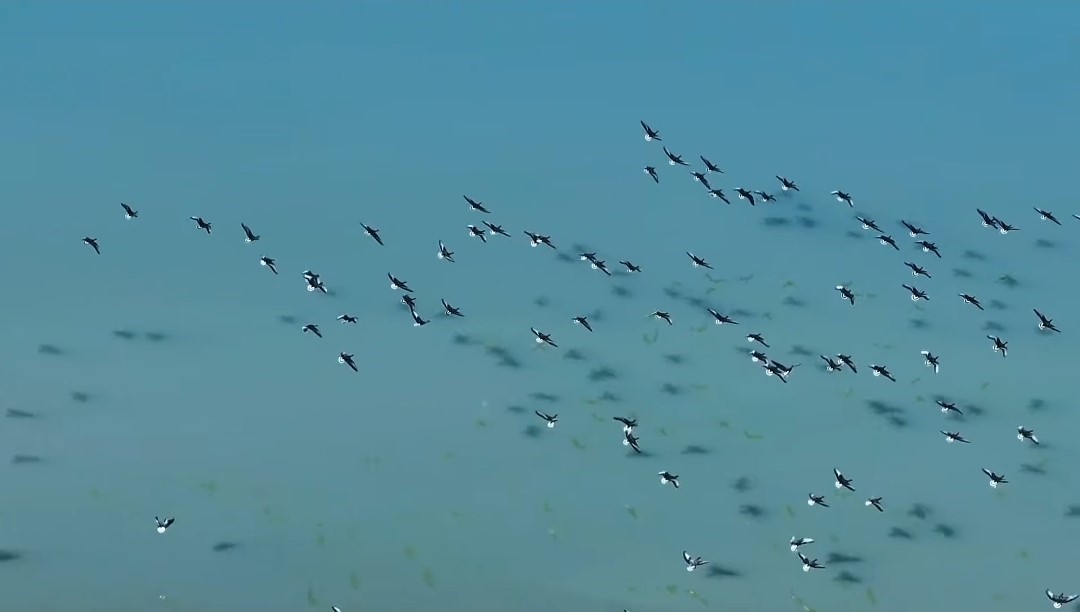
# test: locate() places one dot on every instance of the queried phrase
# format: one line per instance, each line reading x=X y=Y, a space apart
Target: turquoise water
x=168 y=376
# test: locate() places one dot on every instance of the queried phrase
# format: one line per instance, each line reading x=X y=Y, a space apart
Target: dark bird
x=692 y=563
x=745 y=195
x=663 y=316
x=917 y=270
x=449 y=310
x=536 y=240
x=931 y=361
x=1023 y=433
x=1046 y=324
x=474 y=205
x=674 y=160
x=971 y=299
x=916 y=295
x=954 y=436
x=311 y=327
x=719 y=193
x=550 y=419
x=347 y=318
x=765 y=197
x=698 y=262
x=808 y=563
x=651 y=171
x=816 y=500
x=844 y=197
x=868 y=224
x=650 y=134
x=1004 y=228
x=417 y=320
x=882 y=371
x=757 y=338
x=347 y=359
x=314 y=283
x=700 y=178
x=995 y=479
x=667 y=478
x=987 y=220
x=709 y=166
x=542 y=338
x=796 y=543
x=397 y=284
x=631 y=268
x=1047 y=216
x=584 y=322
x=201 y=225
x=629 y=439
x=913 y=230
x=445 y=253
x=876 y=503
x=887 y=240
x=496 y=229
x=374 y=233
x=129 y=213
x=846 y=294
x=830 y=365
x=162 y=526
x=249 y=236
x=787 y=184
x=269 y=262
x=1000 y=346
x=720 y=319
x=929 y=247
x=846 y=359
x=628 y=424
x=476 y=232
x=947 y=407
x=842 y=482
x=92 y=243
x=409 y=301
x=1060 y=599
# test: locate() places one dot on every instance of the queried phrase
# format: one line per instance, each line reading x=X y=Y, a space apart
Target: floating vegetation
x=312 y=599
x=752 y=436
x=870 y=597
x=428 y=577
x=354 y=580
x=578 y=444
x=632 y=511
x=651 y=338
x=481 y=423
x=410 y=552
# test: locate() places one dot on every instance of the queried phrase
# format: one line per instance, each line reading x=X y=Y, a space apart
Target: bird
x=667 y=478
x=397 y=284
x=200 y=224
x=474 y=205
x=628 y=424
x=347 y=359
x=536 y=240
x=698 y=262
x=971 y=299
x=129 y=212
x=842 y=482
x=373 y=233
x=249 y=236
x=444 y=253
x=495 y=230
x=584 y=322
x=931 y=361
x=663 y=316
x=995 y=479
x=916 y=294
x=347 y=318
x=797 y=543
x=808 y=563
x=93 y=244
x=844 y=197
x=692 y=563
x=650 y=134
x=1023 y=433
x=674 y=160
x=269 y=263
x=947 y=407
x=868 y=224
x=542 y=338
x=917 y=270
x=1047 y=216
x=954 y=436
x=1060 y=599
x=757 y=338
x=879 y=370
x=745 y=195
x=651 y=171
x=450 y=310
x=816 y=500
x=846 y=294
x=550 y=419
x=313 y=328
x=913 y=230
x=787 y=184
x=1000 y=346
x=476 y=232
x=1046 y=323
x=929 y=247
x=163 y=525
x=709 y=166
x=875 y=502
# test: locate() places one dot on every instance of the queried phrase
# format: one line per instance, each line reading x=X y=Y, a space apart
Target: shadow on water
x=81 y=397
x=225 y=546
x=921 y=511
x=15 y=413
x=503 y=357
x=544 y=397
x=720 y=571
x=622 y=292
x=288 y=319
x=892 y=414
x=946 y=531
x=50 y=349
x=694 y=449
x=602 y=374
x=574 y=355
x=532 y=431
x=840 y=558
x=124 y=334
x=156 y=337
x=675 y=359
x=743 y=484
x=516 y=409
x=753 y=511
x=7 y=555
x=671 y=389
x=847 y=577
x=27 y=460
x=899 y=533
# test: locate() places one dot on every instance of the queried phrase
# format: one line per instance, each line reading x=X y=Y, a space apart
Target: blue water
x=168 y=376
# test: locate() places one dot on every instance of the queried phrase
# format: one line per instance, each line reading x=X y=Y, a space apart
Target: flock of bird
x=707 y=177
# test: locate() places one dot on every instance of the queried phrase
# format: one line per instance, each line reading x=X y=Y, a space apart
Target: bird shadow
x=892 y=414
x=460 y=339
x=50 y=349
x=840 y=558
x=743 y=484
x=973 y=255
x=7 y=555
x=675 y=359
x=946 y=531
x=622 y=292
x=503 y=357
x=720 y=572
x=15 y=413
x=124 y=334
x=1043 y=243
x=288 y=319
x=156 y=337
x=961 y=273
x=694 y=449
x=671 y=389
x=1036 y=469
x=993 y=326
x=515 y=409
x=532 y=431
x=81 y=397
x=602 y=374
x=847 y=577
x=27 y=460
x=801 y=351
x=1072 y=511
x=918 y=323
x=544 y=397
x=574 y=355
x=753 y=511
x=806 y=222
x=542 y=302
x=225 y=546
x=1036 y=404
x=793 y=302
x=775 y=222
x=899 y=533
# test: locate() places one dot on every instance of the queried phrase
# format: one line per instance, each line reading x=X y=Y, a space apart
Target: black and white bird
x=1046 y=323
x=830 y=365
x=444 y=253
x=744 y=194
x=449 y=310
x=584 y=322
x=1005 y=228
x=947 y=407
x=536 y=240
x=765 y=197
x=1047 y=216
x=650 y=134
x=417 y=320
x=913 y=230
x=841 y=481
x=674 y=160
x=787 y=184
x=269 y=262
x=971 y=299
x=995 y=479
x=875 y=502
x=931 y=361
x=474 y=205
x=846 y=359
x=628 y=425
x=846 y=294
x=496 y=229
x=928 y=247
x=698 y=262
x=629 y=439
x=841 y=196
x=692 y=563
x=868 y=224
x=200 y=224
x=397 y=284
x=987 y=220
x=542 y=338
x=808 y=563
x=311 y=327
x=720 y=319
x=757 y=338
x=476 y=232
x=651 y=171
x=797 y=543
x=917 y=270
x=667 y=478
x=1060 y=599
x=630 y=267
x=709 y=166
x=93 y=244
x=373 y=233
x=880 y=370
x=550 y=419
x=347 y=359
x=954 y=436
x=1000 y=346
x=663 y=316
x=129 y=213
x=1022 y=433
x=916 y=294
x=816 y=500
x=347 y=318
x=249 y=236
x=699 y=177
x=719 y=194
x=163 y=525
x=887 y=240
